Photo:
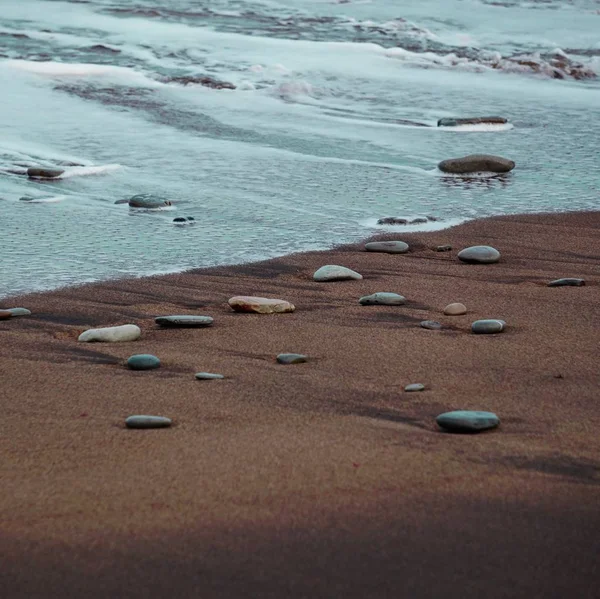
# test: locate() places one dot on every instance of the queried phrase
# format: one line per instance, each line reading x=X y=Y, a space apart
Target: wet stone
x=392 y=220
x=382 y=298
x=143 y=421
x=143 y=362
x=388 y=247
x=488 y=327
x=183 y=320
x=479 y=120
x=479 y=254
x=567 y=283
x=476 y=163
x=208 y=376
x=432 y=325
x=467 y=421
x=414 y=387
x=291 y=358
x=148 y=201
x=44 y=173
x=333 y=272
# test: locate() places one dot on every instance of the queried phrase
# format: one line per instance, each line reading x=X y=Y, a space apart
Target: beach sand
x=322 y=479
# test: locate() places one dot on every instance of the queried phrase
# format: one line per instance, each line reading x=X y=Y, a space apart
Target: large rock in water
x=260 y=305
x=126 y=332
x=148 y=201
x=479 y=254
x=478 y=120
x=44 y=173
x=476 y=163
x=333 y=272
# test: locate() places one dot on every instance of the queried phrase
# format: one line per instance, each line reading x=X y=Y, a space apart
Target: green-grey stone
x=19 y=311
x=143 y=362
x=333 y=272
x=382 y=298
x=414 y=387
x=432 y=325
x=479 y=254
x=467 y=421
x=184 y=321
x=207 y=376
x=567 y=283
x=143 y=421
x=388 y=247
x=291 y=358
x=488 y=326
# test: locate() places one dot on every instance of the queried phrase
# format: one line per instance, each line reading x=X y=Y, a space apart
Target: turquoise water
x=322 y=135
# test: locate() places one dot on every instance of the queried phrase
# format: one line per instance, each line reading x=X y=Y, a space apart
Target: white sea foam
x=438 y=225
x=479 y=127
x=84 y=171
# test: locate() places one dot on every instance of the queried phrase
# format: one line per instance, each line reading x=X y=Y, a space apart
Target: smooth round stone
x=476 y=163
x=479 y=254
x=432 y=325
x=260 y=305
x=148 y=201
x=488 y=327
x=44 y=173
x=208 y=376
x=19 y=311
x=479 y=120
x=143 y=362
x=467 y=421
x=382 y=298
x=388 y=247
x=5 y=314
x=291 y=358
x=455 y=309
x=333 y=272
x=443 y=248
x=414 y=387
x=184 y=321
x=567 y=283
x=142 y=421
x=126 y=332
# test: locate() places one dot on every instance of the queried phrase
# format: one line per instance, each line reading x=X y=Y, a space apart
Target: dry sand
x=321 y=479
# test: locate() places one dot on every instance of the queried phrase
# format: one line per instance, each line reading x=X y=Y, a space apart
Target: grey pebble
x=143 y=421
x=382 y=298
x=388 y=247
x=443 y=248
x=184 y=320
x=467 y=421
x=479 y=254
x=19 y=311
x=414 y=387
x=488 y=326
x=207 y=376
x=143 y=362
x=567 y=283
x=291 y=358
x=433 y=325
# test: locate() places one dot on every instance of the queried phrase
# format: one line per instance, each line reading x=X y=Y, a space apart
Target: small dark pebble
x=567 y=283
x=443 y=248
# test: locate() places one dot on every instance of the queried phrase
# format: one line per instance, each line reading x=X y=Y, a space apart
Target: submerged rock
x=478 y=120
x=476 y=163
x=260 y=305
x=467 y=421
x=479 y=254
x=388 y=247
x=567 y=283
x=126 y=332
x=382 y=298
x=291 y=358
x=44 y=173
x=142 y=421
x=148 y=201
x=333 y=272
x=392 y=220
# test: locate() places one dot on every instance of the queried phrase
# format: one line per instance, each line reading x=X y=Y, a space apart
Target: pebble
x=206 y=376
x=143 y=362
x=455 y=309
x=148 y=201
x=567 y=283
x=184 y=321
x=291 y=358
x=479 y=254
x=431 y=324
x=467 y=421
x=414 y=387
x=443 y=248
x=389 y=247
x=141 y=421
x=19 y=311
x=126 y=332
x=476 y=163
x=487 y=327
x=5 y=314
x=382 y=298
x=260 y=305
x=44 y=173
x=479 y=120
x=333 y=272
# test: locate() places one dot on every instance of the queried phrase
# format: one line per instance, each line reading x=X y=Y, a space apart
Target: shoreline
x=324 y=478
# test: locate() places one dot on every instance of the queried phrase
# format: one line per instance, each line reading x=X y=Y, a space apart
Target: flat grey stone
x=148 y=201
x=19 y=311
x=443 y=248
x=143 y=362
x=143 y=421
x=487 y=327
x=476 y=163
x=382 y=298
x=467 y=421
x=184 y=321
x=388 y=247
x=291 y=358
x=333 y=272
x=433 y=325
x=207 y=376
x=44 y=173
x=567 y=283
x=478 y=120
x=414 y=387
x=126 y=332
x=479 y=254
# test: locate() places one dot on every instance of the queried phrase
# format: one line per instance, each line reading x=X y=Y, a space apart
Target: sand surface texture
x=322 y=479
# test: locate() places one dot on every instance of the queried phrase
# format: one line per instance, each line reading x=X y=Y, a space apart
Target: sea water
x=278 y=125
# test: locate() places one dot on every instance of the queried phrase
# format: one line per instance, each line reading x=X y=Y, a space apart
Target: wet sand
x=322 y=479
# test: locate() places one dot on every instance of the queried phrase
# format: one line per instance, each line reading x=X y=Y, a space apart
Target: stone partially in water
x=260 y=305
x=143 y=362
x=126 y=332
x=388 y=247
x=479 y=120
x=44 y=173
x=414 y=387
x=143 y=421
x=291 y=358
x=567 y=283
x=148 y=201
x=392 y=220
x=479 y=254
x=456 y=309
x=432 y=325
x=333 y=272
x=208 y=376
x=184 y=321
x=467 y=421
x=488 y=326
x=382 y=298
x=476 y=163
